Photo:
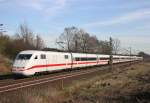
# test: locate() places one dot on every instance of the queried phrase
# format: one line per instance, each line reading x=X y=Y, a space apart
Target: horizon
x=128 y=21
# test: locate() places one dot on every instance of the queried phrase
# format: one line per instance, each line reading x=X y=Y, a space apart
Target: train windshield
x=24 y=56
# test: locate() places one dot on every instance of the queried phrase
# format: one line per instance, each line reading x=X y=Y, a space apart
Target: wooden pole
x=62 y=84
x=110 y=54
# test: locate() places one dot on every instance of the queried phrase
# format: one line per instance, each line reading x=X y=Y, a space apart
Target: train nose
x=20 y=63
x=15 y=68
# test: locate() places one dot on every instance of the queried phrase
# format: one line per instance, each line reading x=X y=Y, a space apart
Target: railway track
x=28 y=82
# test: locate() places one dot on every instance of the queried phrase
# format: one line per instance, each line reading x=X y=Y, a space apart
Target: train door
x=97 y=59
x=43 y=62
x=68 y=61
x=54 y=59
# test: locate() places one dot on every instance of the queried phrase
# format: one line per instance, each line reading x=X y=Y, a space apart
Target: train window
x=66 y=57
x=43 y=56
x=115 y=58
x=103 y=58
x=83 y=59
x=91 y=59
x=77 y=59
x=36 y=57
x=24 y=56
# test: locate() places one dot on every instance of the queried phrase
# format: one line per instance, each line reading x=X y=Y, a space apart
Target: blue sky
x=127 y=20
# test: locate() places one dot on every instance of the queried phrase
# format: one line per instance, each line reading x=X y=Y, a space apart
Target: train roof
x=28 y=52
x=38 y=51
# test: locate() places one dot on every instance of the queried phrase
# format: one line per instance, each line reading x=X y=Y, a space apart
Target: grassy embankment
x=121 y=85
x=5 y=65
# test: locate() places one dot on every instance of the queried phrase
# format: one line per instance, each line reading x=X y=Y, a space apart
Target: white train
x=30 y=62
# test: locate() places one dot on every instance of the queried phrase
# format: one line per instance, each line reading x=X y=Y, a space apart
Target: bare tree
x=84 y=38
x=76 y=43
x=77 y=40
x=116 y=45
x=93 y=44
x=26 y=35
x=80 y=40
x=28 y=39
x=39 y=43
x=104 y=47
x=4 y=39
x=67 y=38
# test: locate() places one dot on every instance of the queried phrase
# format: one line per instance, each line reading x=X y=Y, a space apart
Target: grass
x=5 y=65
x=121 y=85
x=115 y=86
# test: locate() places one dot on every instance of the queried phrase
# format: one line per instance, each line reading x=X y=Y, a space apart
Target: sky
x=127 y=20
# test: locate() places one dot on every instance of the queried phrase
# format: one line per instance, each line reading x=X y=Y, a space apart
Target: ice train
x=30 y=62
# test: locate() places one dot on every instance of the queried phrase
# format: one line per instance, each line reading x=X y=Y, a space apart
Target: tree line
x=72 y=39
x=77 y=40
x=24 y=39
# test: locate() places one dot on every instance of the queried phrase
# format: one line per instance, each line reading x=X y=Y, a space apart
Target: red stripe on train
x=56 y=65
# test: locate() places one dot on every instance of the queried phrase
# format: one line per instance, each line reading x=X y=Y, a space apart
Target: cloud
x=3 y=1
x=129 y=17
x=34 y=4
x=57 y=7
x=48 y=7
x=139 y=43
x=136 y=40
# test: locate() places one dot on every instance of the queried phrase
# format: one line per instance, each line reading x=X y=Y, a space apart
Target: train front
x=21 y=63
